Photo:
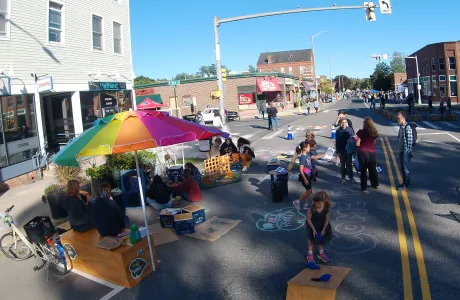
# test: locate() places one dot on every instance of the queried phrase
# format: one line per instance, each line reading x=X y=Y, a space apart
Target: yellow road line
x=426 y=294
x=407 y=281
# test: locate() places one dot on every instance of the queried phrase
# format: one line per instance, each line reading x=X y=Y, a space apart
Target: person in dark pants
x=367 y=138
x=410 y=102
x=430 y=102
x=270 y=125
x=405 y=140
x=342 y=135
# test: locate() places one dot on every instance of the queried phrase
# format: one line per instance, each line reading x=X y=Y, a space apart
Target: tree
x=397 y=63
x=210 y=70
x=325 y=86
x=141 y=80
x=252 y=69
x=365 y=84
x=381 y=77
x=344 y=82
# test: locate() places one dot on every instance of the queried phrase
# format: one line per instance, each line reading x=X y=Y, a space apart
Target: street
x=398 y=245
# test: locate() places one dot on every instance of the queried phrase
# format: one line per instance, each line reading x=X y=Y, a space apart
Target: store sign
x=268 y=86
x=45 y=84
x=5 y=85
x=107 y=86
x=108 y=101
x=289 y=81
x=20 y=146
x=245 y=99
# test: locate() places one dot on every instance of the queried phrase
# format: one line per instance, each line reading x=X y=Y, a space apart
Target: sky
x=171 y=37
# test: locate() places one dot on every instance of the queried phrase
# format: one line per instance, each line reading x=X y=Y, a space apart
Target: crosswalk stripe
x=235 y=133
x=247 y=136
x=431 y=125
x=272 y=135
x=450 y=125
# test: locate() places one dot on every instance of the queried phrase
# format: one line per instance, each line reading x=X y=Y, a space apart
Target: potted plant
x=63 y=174
x=118 y=162
x=54 y=195
x=98 y=174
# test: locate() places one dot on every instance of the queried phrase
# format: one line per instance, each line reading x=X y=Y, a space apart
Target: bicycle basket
x=39 y=229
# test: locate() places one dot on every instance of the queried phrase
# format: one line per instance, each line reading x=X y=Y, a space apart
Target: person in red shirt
x=367 y=138
x=189 y=189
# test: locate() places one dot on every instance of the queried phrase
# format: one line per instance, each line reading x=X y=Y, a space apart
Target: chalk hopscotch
x=284 y=219
x=349 y=236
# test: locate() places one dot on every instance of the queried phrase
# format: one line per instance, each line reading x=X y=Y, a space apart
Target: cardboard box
x=198 y=213
x=184 y=223
x=167 y=220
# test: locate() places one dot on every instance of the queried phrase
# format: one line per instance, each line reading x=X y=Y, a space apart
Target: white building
x=63 y=64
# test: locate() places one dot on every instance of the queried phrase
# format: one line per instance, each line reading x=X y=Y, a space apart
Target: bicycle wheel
x=15 y=251
x=59 y=261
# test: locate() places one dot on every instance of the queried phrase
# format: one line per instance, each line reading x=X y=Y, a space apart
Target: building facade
x=437 y=65
x=298 y=63
x=63 y=64
x=243 y=93
x=397 y=81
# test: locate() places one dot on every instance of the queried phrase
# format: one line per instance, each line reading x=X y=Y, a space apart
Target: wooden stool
x=301 y=287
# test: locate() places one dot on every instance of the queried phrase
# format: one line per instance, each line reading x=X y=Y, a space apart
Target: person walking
x=410 y=101
x=405 y=140
x=308 y=107
x=273 y=116
x=367 y=137
x=270 y=125
x=343 y=134
x=316 y=105
x=263 y=108
x=200 y=118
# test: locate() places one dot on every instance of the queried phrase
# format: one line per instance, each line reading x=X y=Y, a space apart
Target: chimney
x=269 y=58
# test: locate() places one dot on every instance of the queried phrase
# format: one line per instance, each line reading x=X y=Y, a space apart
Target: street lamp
x=314 y=60
x=418 y=78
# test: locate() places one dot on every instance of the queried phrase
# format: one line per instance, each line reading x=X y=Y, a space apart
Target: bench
x=125 y=265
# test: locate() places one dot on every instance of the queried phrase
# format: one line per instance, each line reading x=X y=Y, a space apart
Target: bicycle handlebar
x=9 y=209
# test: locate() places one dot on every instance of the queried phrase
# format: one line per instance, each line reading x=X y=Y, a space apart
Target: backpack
x=414 y=133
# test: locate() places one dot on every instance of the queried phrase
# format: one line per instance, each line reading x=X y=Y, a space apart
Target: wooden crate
x=112 y=266
x=301 y=287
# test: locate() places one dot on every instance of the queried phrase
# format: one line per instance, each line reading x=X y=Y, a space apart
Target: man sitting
x=159 y=194
x=188 y=189
x=107 y=215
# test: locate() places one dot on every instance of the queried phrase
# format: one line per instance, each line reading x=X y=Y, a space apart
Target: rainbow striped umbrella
x=131 y=131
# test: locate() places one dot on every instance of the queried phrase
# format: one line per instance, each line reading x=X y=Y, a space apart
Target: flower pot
x=55 y=203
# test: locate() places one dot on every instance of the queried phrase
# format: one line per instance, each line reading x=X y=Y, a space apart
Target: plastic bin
x=130 y=187
x=39 y=229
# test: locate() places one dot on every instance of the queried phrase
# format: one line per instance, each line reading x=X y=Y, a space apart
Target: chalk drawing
x=284 y=219
x=349 y=234
x=344 y=192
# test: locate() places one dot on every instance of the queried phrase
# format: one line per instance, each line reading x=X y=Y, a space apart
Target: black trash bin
x=277 y=191
x=55 y=203
x=282 y=177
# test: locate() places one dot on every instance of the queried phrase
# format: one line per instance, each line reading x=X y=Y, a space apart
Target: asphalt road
x=398 y=245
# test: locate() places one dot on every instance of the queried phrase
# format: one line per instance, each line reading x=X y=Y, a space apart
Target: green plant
x=63 y=174
x=54 y=189
x=146 y=157
x=99 y=172
x=117 y=162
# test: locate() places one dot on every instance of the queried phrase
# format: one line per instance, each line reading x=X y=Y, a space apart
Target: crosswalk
x=431 y=125
x=443 y=125
x=274 y=134
x=396 y=126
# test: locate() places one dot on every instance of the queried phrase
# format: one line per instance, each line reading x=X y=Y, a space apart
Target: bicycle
x=39 y=243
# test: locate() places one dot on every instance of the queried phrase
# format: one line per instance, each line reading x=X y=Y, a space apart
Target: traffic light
x=370 y=11
x=224 y=74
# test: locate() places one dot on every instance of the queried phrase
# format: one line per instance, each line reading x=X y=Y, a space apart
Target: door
x=172 y=102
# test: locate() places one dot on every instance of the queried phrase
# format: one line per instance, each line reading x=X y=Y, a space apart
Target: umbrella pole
x=183 y=156
x=141 y=191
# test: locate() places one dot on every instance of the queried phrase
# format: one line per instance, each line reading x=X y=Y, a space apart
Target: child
x=316 y=105
x=306 y=167
x=318 y=226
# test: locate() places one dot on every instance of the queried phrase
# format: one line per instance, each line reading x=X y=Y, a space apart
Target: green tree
x=252 y=69
x=397 y=63
x=381 y=77
x=141 y=80
x=325 y=86
x=344 y=82
x=365 y=84
x=210 y=70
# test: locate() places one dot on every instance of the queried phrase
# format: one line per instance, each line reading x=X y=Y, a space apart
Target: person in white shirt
x=217 y=121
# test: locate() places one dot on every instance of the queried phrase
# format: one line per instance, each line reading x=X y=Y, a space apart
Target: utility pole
x=314 y=60
x=330 y=68
x=218 y=21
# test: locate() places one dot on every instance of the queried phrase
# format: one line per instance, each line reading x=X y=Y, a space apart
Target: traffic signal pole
x=218 y=21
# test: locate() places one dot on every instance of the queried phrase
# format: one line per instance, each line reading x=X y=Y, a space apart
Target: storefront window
x=19 y=129
x=96 y=105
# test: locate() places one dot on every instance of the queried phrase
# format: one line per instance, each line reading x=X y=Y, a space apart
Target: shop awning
x=267 y=85
x=308 y=85
x=149 y=104
x=156 y=98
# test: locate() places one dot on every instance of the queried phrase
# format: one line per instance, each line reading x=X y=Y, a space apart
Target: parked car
x=208 y=114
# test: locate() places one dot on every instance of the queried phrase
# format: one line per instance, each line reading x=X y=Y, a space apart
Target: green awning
x=156 y=98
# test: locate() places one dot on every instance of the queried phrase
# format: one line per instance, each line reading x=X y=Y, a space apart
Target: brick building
x=397 y=80
x=243 y=92
x=294 y=62
x=438 y=71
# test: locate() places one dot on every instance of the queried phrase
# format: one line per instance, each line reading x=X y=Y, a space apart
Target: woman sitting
x=159 y=194
x=246 y=152
x=77 y=206
x=107 y=214
x=188 y=189
x=196 y=174
x=215 y=149
x=228 y=148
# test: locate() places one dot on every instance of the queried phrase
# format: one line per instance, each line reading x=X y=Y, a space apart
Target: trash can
x=277 y=191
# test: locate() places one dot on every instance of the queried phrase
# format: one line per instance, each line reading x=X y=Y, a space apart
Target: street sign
x=174 y=82
x=385 y=6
